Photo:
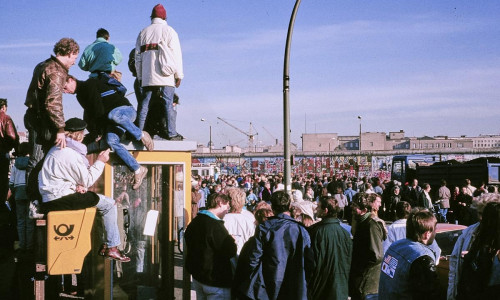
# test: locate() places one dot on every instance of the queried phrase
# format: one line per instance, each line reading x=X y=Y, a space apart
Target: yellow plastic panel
x=68 y=240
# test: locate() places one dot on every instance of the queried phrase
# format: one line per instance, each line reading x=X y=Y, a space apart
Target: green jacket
x=367 y=254
x=332 y=248
x=100 y=56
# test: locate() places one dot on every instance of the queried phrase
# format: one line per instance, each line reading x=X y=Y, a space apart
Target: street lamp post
x=210 y=136
x=286 y=103
x=359 y=158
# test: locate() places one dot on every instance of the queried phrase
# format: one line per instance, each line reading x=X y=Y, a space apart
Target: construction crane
x=249 y=134
x=271 y=135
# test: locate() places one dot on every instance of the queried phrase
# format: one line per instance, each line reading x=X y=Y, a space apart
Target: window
x=460 y=145
x=449 y=145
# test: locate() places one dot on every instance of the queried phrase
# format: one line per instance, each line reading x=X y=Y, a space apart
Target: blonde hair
x=76 y=135
x=237 y=197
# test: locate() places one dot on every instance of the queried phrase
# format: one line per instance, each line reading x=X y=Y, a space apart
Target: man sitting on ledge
x=65 y=177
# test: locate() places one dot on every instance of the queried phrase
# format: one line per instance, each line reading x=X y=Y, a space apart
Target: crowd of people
x=248 y=238
x=334 y=238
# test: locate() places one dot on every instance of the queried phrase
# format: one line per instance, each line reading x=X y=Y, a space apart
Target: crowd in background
x=368 y=224
x=310 y=188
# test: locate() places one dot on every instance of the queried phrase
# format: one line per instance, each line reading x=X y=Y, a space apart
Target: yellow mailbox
x=68 y=240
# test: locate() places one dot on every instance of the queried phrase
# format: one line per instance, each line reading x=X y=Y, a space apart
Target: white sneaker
x=33 y=210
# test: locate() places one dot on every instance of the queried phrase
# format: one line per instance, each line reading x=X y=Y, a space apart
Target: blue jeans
x=107 y=209
x=443 y=212
x=206 y=292
x=25 y=225
x=138 y=93
x=123 y=117
x=167 y=93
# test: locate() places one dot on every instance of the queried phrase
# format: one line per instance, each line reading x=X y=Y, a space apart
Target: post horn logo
x=64 y=229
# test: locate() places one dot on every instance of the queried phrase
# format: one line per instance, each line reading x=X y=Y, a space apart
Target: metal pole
x=359 y=117
x=359 y=159
x=286 y=104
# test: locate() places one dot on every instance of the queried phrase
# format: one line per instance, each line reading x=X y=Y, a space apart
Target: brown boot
x=138 y=177
x=147 y=141
x=115 y=254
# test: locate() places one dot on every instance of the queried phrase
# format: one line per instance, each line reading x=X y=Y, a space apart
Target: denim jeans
x=443 y=212
x=107 y=209
x=138 y=93
x=206 y=292
x=123 y=117
x=167 y=93
x=25 y=225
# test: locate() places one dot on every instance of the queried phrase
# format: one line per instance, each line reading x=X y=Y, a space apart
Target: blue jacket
x=282 y=252
x=396 y=281
x=349 y=193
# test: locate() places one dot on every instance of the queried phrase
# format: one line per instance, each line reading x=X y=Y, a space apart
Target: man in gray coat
x=444 y=196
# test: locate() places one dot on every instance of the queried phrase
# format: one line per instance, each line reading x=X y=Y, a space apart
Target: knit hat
x=159 y=12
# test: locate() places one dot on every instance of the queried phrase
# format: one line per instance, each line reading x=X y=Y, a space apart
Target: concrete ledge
x=163 y=145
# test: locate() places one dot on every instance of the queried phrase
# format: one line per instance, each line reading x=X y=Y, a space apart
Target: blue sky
x=427 y=67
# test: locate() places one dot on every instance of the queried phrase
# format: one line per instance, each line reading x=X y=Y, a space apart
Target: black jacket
x=96 y=107
x=209 y=250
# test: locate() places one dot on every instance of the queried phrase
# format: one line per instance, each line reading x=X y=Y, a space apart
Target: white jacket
x=64 y=169
x=147 y=63
x=241 y=227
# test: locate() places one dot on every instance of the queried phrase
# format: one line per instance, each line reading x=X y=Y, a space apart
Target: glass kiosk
x=151 y=221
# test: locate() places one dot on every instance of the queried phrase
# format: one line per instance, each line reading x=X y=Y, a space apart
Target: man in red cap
x=158 y=62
